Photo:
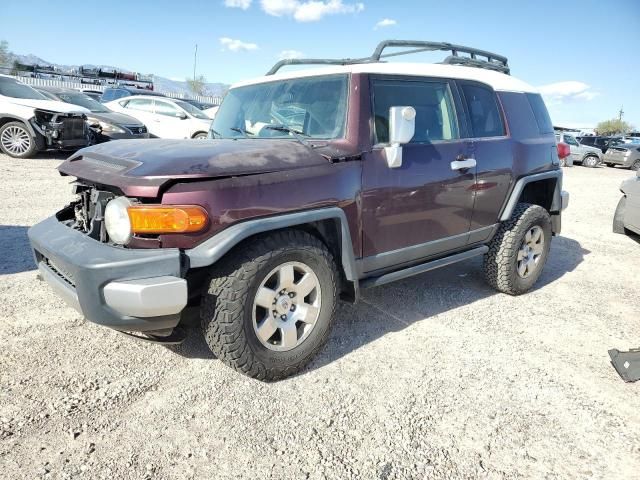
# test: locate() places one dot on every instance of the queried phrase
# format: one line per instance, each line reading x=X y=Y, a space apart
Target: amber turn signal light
x=167 y=219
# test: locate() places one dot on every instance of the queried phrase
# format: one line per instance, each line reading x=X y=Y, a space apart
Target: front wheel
x=16 y=141
x=200 y=136
x=635 y=165
x=590 y=161
x=270 y=304
x=519 y=250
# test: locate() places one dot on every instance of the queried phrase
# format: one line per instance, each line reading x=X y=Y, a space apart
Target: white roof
x=499 y=81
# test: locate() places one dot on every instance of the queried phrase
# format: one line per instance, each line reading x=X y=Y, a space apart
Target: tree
x=197 y=85
x=4 y=52
x=613 y=126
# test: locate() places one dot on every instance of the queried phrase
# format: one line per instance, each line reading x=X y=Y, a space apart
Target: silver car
x=627 y=216
x=625 y=155
x=582 y=154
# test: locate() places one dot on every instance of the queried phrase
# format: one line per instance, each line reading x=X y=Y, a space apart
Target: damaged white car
x=30 y=122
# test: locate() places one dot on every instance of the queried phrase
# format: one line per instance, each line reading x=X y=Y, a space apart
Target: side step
x=423 y=267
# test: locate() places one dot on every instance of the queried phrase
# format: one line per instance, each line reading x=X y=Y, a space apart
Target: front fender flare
x=212 y=249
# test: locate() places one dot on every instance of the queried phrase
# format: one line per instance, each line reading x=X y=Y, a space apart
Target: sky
x=584 y=55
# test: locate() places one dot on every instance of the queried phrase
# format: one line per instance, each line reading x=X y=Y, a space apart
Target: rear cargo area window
x=435 y=116
x=484 y=114
x=540 y=112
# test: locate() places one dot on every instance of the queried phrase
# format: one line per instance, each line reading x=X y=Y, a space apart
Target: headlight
x=105 y=126
x=116 y=220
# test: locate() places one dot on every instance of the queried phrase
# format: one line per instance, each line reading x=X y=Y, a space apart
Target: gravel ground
x=436 y=376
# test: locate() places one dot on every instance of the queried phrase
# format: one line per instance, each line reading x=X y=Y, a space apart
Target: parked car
x=625 y=155
x=627 y=216
x=113 y=93
x=582 y=154
x=211 y=112
x=30 y=122
x=105 y=124
x=602 y=143
x=165 y=117
x=196 y=103
x=317 y=184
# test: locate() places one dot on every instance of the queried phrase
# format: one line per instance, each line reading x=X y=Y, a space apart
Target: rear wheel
x=519 y=250
x=618 y=217
x=200 y=136
x=269 y=306
x=635 y=165
x=16 y=140
x=590 y=161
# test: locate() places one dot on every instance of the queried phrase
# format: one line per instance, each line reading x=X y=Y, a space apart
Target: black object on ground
x=627 y=364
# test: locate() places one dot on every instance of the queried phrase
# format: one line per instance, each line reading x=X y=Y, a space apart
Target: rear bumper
x=124 y=289
x=618 y=160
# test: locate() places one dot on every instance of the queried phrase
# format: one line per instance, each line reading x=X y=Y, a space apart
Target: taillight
x=563 y=150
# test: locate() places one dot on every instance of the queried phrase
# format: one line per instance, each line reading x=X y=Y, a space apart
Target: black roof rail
x=488 y=60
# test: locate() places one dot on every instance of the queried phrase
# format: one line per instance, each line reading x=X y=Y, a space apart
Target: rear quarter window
x=540 y=112
x=482 y=107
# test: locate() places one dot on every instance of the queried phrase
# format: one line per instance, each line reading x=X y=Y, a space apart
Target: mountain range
x=161 y=84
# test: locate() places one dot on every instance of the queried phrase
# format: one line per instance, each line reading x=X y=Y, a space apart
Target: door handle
x=463 y=164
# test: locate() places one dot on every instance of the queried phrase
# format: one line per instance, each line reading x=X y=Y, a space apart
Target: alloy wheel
x=15 y=140
x=530 y=251
x=286 y=306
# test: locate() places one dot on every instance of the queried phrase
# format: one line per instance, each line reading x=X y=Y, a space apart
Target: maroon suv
x=313 y=185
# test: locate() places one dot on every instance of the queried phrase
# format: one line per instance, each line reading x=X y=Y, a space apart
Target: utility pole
x=620 y=113
x=195 y=57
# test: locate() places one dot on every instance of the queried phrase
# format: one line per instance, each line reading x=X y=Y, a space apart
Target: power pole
x=620 y=113
x=195 y=58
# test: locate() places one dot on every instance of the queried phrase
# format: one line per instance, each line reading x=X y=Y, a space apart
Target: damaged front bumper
x=61 y=130
x=124 y=289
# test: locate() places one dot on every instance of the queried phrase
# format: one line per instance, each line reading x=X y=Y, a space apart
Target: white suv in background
x=164 y=117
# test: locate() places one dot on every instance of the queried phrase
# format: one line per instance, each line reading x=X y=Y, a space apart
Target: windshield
x=12 y=88
x=84 y=101
x=193 y=111
x=314 y=107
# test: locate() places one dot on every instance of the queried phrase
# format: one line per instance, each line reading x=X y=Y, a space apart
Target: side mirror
x=402 y=126
x=181 y=115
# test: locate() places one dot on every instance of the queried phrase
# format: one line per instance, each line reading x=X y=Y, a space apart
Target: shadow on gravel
x=396 y=306
x=15 y=252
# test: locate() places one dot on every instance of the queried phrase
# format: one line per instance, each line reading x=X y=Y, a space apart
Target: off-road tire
x=500 y=262
x=226 y=310
x=618 y=217
x=590 y=161
x=34 y=144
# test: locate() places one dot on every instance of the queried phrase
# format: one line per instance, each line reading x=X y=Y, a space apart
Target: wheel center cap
x=283 y=304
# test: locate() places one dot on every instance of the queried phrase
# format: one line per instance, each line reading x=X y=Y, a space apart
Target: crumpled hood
x=142 y=166
x=50 y=105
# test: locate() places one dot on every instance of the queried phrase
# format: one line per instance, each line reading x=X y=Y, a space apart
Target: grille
x=63 y=274
x=136 y=129
x=74 y=128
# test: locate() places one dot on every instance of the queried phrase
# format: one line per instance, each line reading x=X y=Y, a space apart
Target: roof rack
x=488 y=60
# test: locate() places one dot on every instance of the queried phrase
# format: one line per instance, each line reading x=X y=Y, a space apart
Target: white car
x=211 y=112
x=30 y=122
x=164 y=117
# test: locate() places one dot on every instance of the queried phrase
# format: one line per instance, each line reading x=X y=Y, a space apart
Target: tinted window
x=141 y=104
x=485 y=117
x=164 y=108
x=586 y=140
x=570 y=140
x=435 y=116
x=540 y=112
x=12 y=88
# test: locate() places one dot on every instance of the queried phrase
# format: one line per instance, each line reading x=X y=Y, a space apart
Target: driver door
x=168 y=121
x=424 y=207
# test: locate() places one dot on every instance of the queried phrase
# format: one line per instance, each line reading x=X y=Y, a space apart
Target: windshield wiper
x=241 y=130
x=298 y=136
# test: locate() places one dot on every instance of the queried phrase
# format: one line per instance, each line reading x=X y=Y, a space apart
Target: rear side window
x=484 y=114
x=540 y=112
x=141 y=104
x=435 y=115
